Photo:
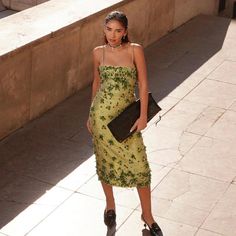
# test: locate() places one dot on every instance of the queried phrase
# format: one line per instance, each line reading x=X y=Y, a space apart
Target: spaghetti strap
x=103 y=54
x=132 y=54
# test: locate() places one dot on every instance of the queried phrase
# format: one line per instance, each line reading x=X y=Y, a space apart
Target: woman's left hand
x=140 y=124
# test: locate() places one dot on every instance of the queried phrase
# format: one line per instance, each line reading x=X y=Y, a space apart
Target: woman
x=119 y=66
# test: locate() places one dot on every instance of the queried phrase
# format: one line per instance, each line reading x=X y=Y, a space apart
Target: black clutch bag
x=121 y=125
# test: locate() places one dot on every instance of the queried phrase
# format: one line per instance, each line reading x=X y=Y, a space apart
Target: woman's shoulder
x=136 y=45
x=97 y=51
x=138 y=48
x=98 y=48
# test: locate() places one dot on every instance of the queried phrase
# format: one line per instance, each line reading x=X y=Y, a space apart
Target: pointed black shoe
x=110 y=218
x=154 y=229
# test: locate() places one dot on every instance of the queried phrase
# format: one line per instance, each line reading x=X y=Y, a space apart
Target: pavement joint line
x=160 y=165
x=201 y=115
x=181 y=99
x=50 y=213
x=179 y=148
x=173 y=199
x=124 y=221
x=172 y=220
x=218 y=118
x=216 y=67
x=52 y=185
x=219 y=139
x=207 y=231
x=208 y=177
x=161 y=149
x=182 y=154
x=230 y=60
x=215 y=204
x=103 y=200
x=185 y=52
x=201 y=103
x=4 y=233
x=220 y=81
x=171 y=168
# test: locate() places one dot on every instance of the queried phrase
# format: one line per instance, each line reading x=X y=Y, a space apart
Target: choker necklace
x=116 y=46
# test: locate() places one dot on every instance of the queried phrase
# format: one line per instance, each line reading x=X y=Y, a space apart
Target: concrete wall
x=228 y=12
x=2 y=7
x=19 y=5
x=187 y=9
x=45 y=51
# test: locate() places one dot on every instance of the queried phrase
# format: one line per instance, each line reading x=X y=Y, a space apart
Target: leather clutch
x=120 y=126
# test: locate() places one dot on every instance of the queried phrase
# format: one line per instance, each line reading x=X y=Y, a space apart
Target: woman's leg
x=110 y=201
x=145 y=200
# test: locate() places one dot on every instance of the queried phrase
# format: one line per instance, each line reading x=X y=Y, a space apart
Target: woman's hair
x=122 y=18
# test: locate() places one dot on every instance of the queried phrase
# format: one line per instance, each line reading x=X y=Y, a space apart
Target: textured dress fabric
x=118 y=164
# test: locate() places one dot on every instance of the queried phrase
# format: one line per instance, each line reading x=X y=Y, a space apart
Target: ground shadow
x=179 y=54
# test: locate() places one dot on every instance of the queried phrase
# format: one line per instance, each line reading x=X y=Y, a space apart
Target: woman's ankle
x=110 y=205
x=148 y=217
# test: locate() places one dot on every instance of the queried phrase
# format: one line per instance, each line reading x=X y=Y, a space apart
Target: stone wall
x=186 y=9
x=19 y=5
x=228 y=12
x=2 y=7
x=45 y=51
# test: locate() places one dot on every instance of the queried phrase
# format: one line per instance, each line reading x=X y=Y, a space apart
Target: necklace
x=116 y=46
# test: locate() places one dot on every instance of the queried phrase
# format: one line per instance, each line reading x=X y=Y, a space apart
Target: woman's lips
x=112 y=40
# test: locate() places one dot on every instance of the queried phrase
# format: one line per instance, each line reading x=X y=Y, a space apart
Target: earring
x=123 y=37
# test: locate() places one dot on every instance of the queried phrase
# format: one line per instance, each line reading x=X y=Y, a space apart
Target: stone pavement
x=48 y=185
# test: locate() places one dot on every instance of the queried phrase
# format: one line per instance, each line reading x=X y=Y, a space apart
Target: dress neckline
x=128 y=67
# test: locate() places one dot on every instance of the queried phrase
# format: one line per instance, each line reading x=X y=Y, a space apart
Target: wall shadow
x=179 y=54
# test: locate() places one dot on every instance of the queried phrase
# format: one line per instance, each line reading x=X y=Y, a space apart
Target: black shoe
x=155 y=230
x=109 y=218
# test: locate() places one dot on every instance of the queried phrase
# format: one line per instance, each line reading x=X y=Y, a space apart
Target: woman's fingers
x=88 y=126
x=134 y=126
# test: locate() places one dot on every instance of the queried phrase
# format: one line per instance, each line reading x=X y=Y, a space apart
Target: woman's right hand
x=89 y=126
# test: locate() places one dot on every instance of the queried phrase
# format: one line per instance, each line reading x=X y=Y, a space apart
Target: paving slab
x=134 y=226
x=203 y=232
x=186 y=198
x=212 y=158
x=186 y=111
x=225 y=127
x=233 y=106
x=226 y=72
x=167 y=146
x=1 y=234
x=213 y=93
x=77 y=217
x=223 y=219
x=206 y=119
x=127 y=197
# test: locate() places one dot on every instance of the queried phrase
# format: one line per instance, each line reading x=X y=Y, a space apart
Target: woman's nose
x=113 y=34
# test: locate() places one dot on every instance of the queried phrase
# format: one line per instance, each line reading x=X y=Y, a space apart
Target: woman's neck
x=113 y=47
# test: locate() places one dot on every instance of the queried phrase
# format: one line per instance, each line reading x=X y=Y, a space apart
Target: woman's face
x=114 y=31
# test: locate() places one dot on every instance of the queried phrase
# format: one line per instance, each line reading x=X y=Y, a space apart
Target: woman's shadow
x=112 y=231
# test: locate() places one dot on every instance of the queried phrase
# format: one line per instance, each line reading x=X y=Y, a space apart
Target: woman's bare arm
x=96 y=77
x=140 y=63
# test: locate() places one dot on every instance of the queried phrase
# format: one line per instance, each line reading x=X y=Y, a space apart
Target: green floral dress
x=118 y=164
